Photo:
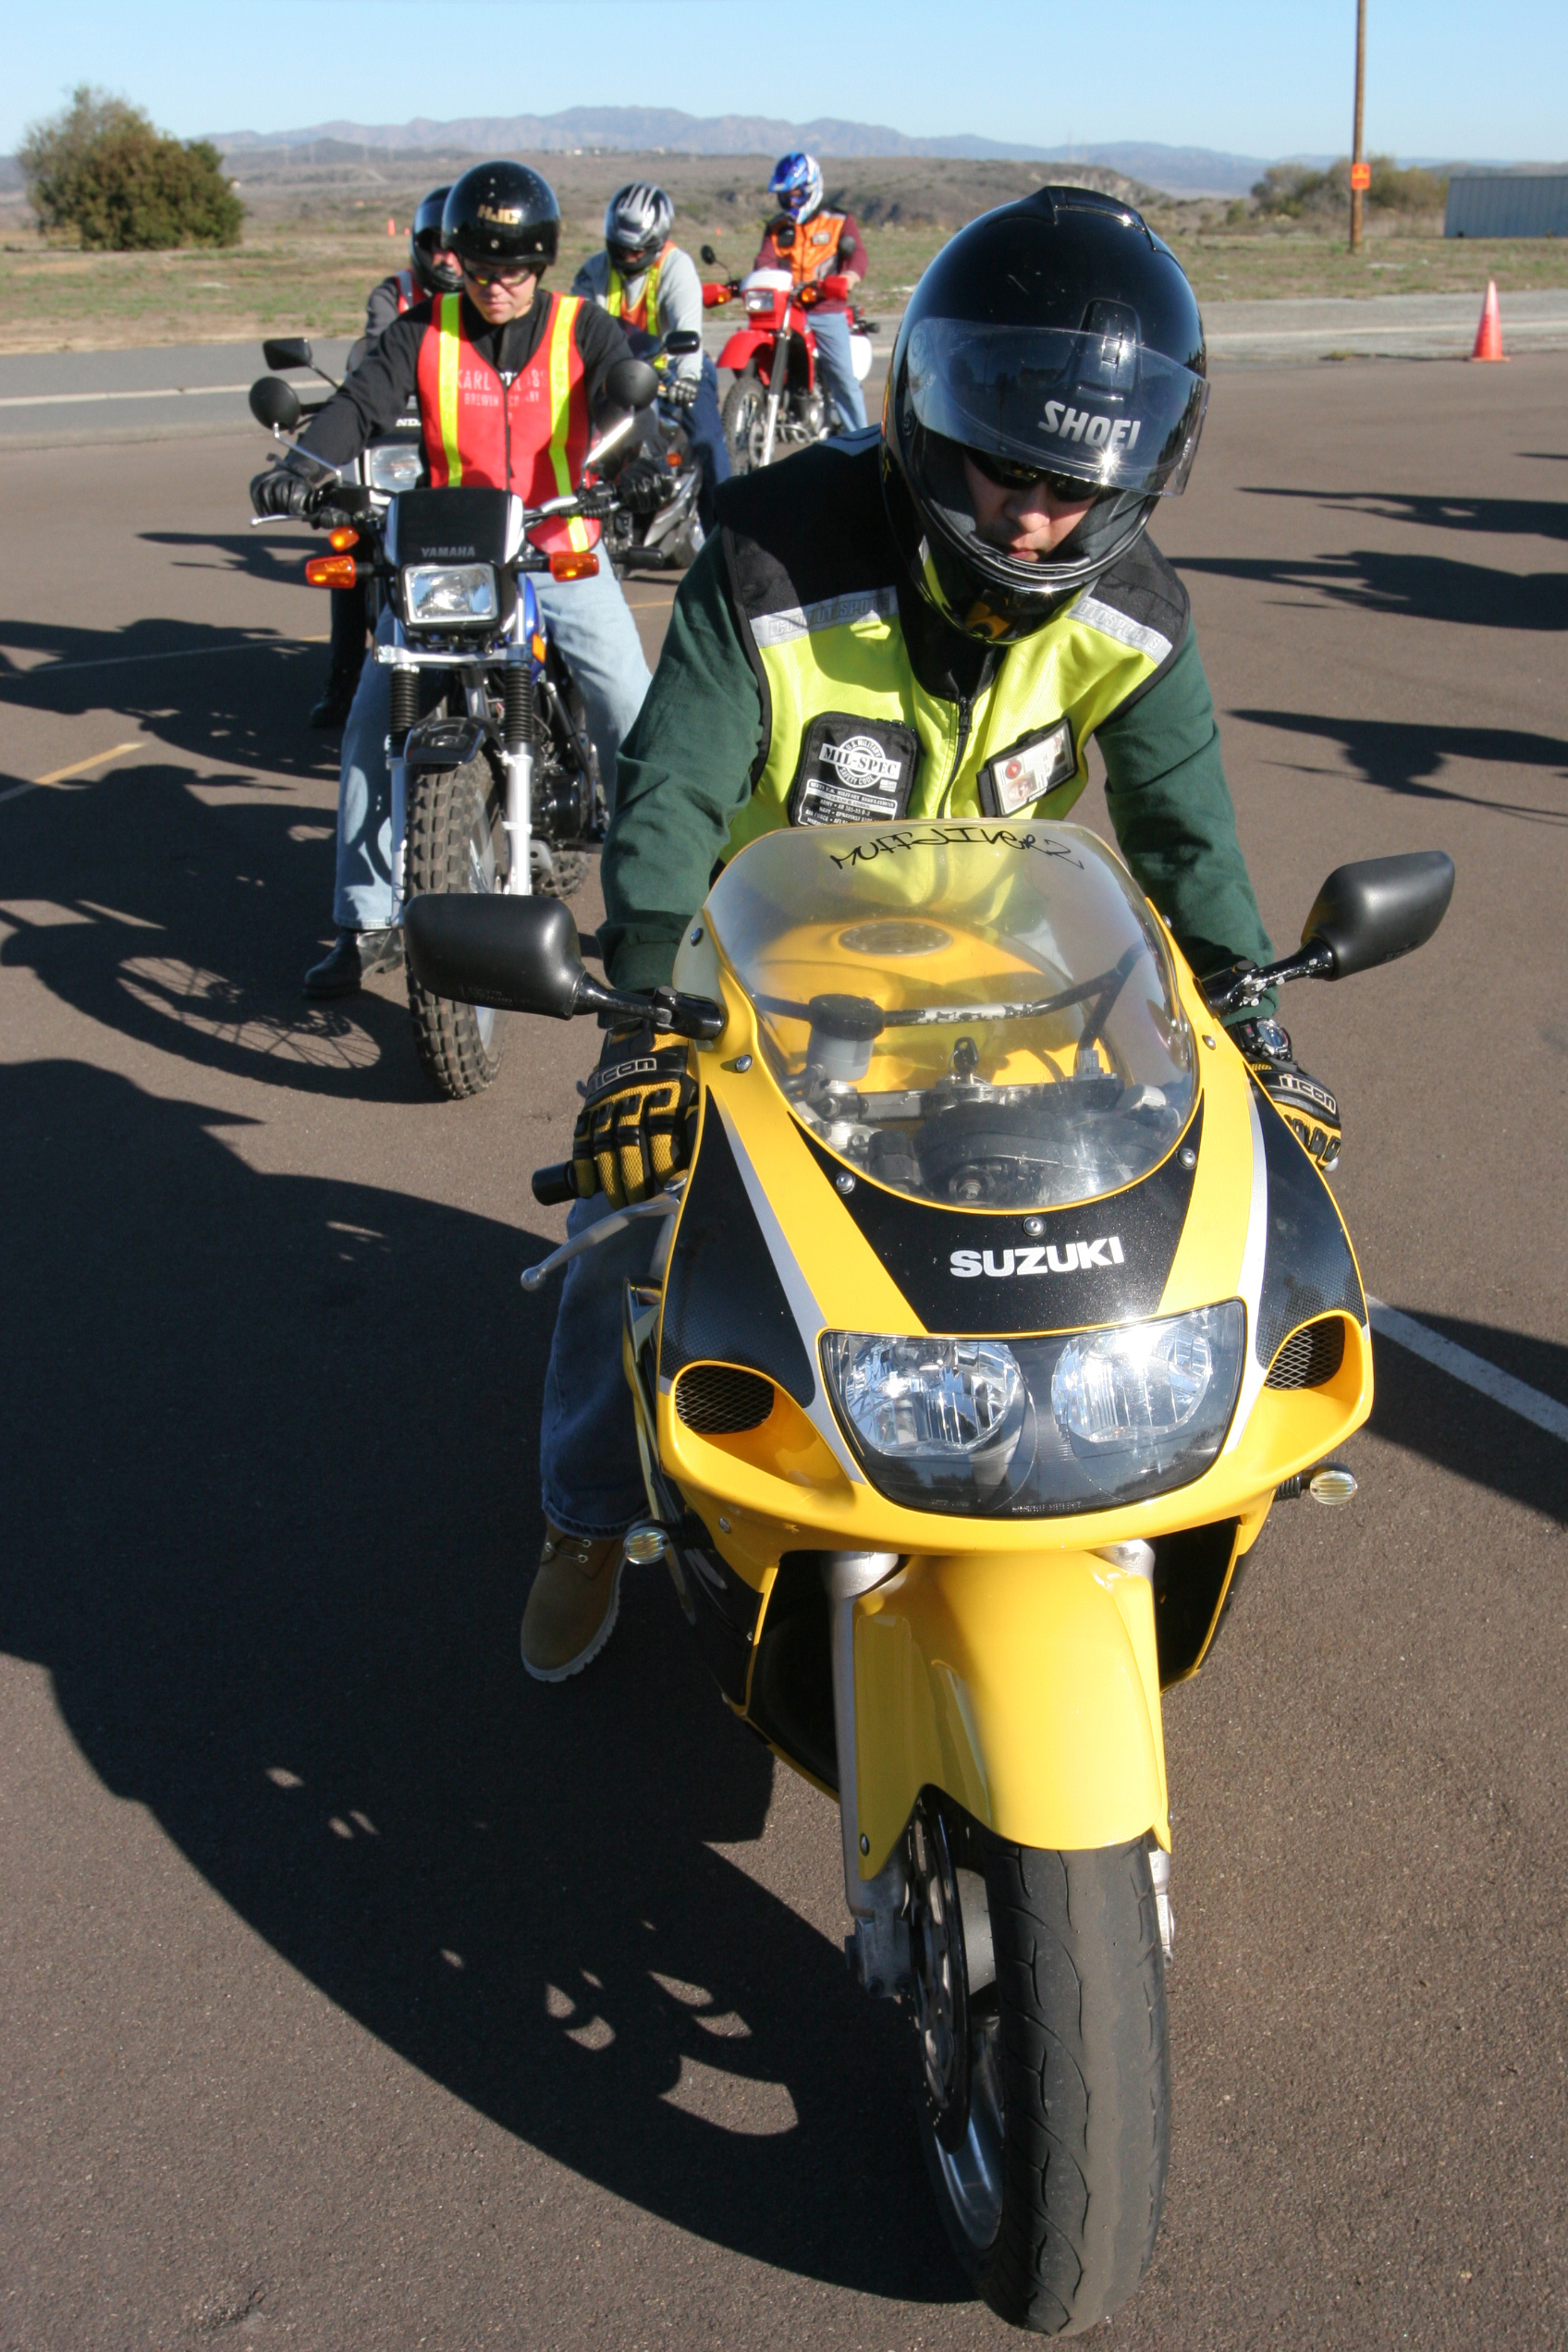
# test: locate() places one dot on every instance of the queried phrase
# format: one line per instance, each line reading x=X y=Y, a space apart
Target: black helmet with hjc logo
x=502 y=216
x=1058 y=336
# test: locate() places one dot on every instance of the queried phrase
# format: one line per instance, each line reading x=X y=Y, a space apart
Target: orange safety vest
x=813 y=251
x=643 y=313
x=530 y=436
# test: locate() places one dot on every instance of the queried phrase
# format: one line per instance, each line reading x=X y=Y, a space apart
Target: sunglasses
x=504 y=278
x=1069 y=487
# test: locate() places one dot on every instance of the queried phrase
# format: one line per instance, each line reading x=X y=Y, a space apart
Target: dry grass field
x=315 y=240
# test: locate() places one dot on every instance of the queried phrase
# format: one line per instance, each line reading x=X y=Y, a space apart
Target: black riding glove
x=640 y=486
x=1305 y=1103
x=634 y=1131
x=281 y=491
x=682 y=391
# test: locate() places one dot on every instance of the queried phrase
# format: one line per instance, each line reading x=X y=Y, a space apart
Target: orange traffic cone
x=392 y=232
x=1489 y=335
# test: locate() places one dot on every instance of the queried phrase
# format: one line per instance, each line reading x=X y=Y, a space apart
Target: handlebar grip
x=553 y=1186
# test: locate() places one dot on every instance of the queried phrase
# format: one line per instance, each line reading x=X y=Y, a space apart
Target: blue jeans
x=831 y=329
x=590 y=1474
x=705 y=428
x=590 y=620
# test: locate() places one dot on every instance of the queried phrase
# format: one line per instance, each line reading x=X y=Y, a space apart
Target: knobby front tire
x=454 y=842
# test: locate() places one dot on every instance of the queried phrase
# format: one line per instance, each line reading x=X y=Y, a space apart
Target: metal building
x=1507 y=204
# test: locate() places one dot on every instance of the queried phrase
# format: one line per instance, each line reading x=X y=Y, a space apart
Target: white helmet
x=638 y=218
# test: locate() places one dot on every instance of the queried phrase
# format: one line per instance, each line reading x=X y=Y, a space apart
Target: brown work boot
x=571 y=1610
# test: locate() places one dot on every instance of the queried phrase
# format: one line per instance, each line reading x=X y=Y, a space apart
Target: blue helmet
x=796 y=185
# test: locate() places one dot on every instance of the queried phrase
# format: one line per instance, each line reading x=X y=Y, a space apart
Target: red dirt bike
x=775 y=404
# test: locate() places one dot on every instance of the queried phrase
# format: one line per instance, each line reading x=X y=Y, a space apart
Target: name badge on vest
x=1026 y=771
x=853 y=771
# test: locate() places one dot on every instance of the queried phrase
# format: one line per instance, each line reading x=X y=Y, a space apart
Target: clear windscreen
x=1096 y=404
x=972 y=1013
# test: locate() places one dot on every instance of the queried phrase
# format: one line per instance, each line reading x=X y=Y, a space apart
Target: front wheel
x=745 y=405
x=455 y=840
x=1039 y=2003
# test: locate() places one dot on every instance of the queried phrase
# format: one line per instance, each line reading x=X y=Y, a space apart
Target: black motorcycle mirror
x=630 y=384
x=274 y=404
x=522 y=955
x=1364 y=914
x=684 y=341
x=288 y=351
x=709 y=256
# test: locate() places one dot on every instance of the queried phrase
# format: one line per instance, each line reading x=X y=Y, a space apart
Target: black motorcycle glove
x=682 y=392
x=640 y=486
x=281 y=491
x=634 y=1131
x=1305 y=1103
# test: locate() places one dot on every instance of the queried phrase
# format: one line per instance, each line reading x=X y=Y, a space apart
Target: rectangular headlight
x=448 y=595
x=1078 y=1421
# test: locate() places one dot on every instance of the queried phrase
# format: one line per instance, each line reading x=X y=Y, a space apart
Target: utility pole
x=1360 y=172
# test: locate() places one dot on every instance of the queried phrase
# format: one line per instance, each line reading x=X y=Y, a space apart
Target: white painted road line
x=1474 y=1370
x=158 y=392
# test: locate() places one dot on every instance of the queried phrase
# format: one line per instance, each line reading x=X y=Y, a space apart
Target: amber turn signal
x=538 y=643
x=568 y=565
x=332 y=572
x=341 y=541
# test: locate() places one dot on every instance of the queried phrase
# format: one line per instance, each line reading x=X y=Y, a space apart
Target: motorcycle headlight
x=1037 y=1427
x=394 y=466
x=448 y=595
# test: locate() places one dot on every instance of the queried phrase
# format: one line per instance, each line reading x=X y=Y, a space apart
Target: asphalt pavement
x=359 y=1993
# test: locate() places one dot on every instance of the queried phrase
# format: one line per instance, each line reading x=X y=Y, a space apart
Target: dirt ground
x=316 y=238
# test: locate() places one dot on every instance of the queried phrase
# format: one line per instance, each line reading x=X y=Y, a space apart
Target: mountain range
x=1181 y=171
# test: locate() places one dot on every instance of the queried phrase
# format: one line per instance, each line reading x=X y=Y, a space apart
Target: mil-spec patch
x=853 y=771
x=1027 y=771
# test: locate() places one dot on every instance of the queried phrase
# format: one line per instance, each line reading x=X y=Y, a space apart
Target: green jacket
x=699 y=754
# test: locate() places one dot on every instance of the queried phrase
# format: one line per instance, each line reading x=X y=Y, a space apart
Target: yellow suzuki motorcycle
x=995 y=1309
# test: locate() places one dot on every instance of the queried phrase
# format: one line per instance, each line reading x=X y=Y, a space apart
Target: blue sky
x=1256 y=77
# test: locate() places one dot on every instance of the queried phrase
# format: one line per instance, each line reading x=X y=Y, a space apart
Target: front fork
x=403 y=716
x=517 y=762
x=878 y=1947
x=778 y=378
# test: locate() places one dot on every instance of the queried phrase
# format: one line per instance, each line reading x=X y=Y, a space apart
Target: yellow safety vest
x=852 y=735
x=648 y=305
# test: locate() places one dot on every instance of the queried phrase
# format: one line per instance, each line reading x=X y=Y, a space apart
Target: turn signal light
x=568 y=565
x=341 y=541
x=332 y=572
x=537 y=640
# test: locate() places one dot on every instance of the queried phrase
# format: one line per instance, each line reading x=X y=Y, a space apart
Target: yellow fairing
x=1023 y=1685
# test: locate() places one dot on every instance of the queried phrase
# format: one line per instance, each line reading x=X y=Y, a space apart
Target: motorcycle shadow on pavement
x=1412 y=587
x=271 y=1476
x=276 y=555
x=209 y=691
x=1410 y=758
x=184 y=917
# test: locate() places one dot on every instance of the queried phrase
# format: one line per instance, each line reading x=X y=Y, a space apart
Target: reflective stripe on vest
x=532 y=422
x=643 y=313
x=846 y=654
x=814 y=250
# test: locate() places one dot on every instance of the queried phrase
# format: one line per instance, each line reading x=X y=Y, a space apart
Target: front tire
x=743 y=405
x=1045 y=2071
x=455 y=841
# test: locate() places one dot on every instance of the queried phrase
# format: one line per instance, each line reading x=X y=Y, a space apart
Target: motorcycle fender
x=443 y=742
x=739 y=350
x=1025 y=1686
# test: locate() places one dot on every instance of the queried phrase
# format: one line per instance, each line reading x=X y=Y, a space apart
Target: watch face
x=1274 y=1040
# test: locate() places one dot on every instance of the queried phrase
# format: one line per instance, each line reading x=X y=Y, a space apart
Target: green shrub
x=103 y=170
x=1294 y=191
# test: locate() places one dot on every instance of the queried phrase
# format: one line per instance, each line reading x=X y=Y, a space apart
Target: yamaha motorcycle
x=495 y=778
x=996 y=1310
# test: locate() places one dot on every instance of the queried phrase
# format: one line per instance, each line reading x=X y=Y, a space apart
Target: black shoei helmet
x=502 y=216
x=1057 y=336
x=424 y=243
